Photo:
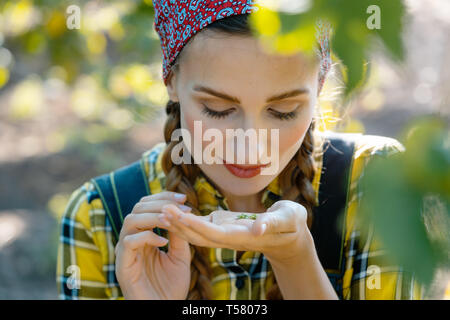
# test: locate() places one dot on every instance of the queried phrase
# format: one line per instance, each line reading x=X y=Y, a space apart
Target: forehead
x=240 y=62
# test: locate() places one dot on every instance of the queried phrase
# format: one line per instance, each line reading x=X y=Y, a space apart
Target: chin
x=240 y=188
x=235 y=185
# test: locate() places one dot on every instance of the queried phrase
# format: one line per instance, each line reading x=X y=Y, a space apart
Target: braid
x=296 y=183
x=180 y=178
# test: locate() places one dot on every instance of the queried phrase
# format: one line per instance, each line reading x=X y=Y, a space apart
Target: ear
x=172 y=88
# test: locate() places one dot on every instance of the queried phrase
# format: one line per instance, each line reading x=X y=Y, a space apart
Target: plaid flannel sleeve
x=85 y=260
x=370 y=273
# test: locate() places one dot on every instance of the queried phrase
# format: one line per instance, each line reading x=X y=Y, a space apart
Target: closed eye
x=222 y=114
x=284 y=115
x=216 y=114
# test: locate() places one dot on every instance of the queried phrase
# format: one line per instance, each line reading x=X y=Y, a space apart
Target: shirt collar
x=211 y=199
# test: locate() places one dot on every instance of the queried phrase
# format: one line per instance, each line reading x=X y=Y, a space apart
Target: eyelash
x=223 y=114
x=285 y=115
x=215 y=114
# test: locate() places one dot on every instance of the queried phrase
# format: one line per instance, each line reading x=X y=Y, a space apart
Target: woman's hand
x=142 y=269
x=281 y=233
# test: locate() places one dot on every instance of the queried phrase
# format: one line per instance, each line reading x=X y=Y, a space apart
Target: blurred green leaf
x=393 y=15
x=353 y=40
x=394 y=209
x=394 y=190
x=427 y=163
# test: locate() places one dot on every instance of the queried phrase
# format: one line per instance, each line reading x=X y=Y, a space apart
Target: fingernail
x=179 y=196
x=184 y=208
x=162 y=239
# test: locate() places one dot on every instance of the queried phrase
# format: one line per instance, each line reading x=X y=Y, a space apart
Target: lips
x=241 y=171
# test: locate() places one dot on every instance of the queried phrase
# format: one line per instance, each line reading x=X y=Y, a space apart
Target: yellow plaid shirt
x=86 y=246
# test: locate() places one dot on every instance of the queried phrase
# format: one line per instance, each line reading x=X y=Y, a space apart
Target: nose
x=252 y=121
x=250 y=142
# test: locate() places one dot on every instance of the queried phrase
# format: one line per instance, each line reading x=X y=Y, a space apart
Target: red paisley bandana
x=176 y=21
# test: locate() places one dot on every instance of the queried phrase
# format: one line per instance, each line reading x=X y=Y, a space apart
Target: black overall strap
x=120 y=190
x=328 y=228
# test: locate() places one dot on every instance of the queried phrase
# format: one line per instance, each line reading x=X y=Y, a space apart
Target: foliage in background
x=109 y=70
x=407 y=195
x=352 y=42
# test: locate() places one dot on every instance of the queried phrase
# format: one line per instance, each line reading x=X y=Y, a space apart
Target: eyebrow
x=224 y=96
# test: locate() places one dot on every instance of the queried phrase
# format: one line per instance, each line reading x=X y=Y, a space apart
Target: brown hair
x=295 y=179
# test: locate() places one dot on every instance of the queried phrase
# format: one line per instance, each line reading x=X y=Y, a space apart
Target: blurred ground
x=31 y=175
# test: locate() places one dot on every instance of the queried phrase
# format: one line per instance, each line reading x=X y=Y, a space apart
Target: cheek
x=187 y=121
x=190 y=120
x=292 y=136
x=290 y=143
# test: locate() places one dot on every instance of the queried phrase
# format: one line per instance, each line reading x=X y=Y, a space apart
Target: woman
x=231 y=231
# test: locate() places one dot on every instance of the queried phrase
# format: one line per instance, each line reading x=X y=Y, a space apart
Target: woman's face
x=230 y=82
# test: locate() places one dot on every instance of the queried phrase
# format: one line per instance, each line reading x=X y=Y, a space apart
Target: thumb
x=283 y=216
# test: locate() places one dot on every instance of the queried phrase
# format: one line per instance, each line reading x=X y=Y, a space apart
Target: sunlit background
x=78 y=103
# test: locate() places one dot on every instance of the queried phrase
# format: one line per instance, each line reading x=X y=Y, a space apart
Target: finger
x=132 y=242
x=138 y=240
x=275 y=206
x=237 y=237
x=242 y=240
x=174 y=215
x=285 y=218
x=178 y=247
x=230 y=234
x=221 y=217
x=192 y=237
x=165 y=195
x=134 y=223
x=186 y=233
x=272 y=222
x=156 y=206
